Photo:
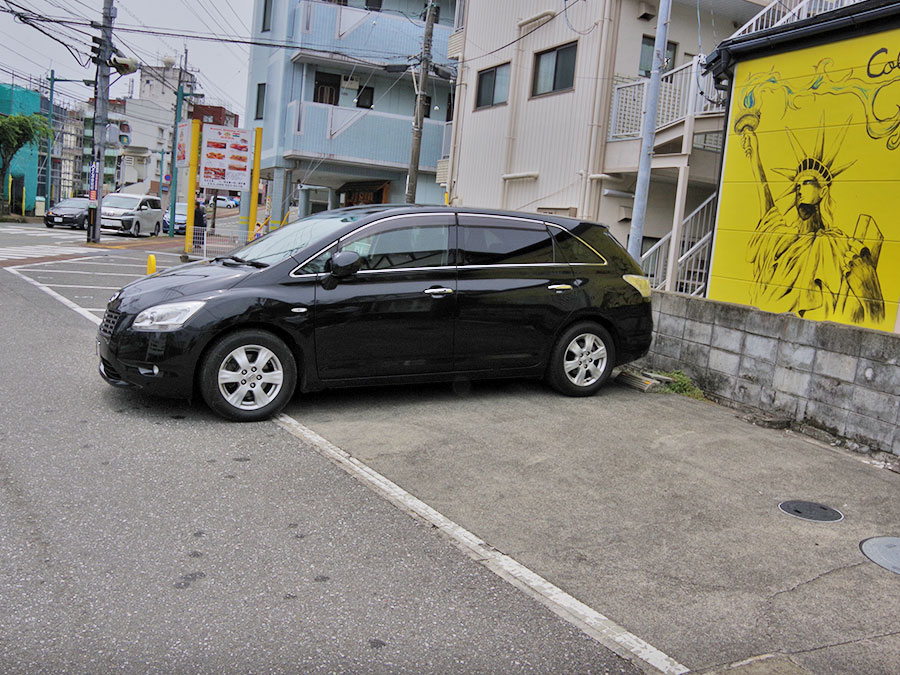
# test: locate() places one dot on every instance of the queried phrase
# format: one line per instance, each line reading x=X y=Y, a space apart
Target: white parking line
x=102 y=288
x=49 y=291
x=591 y=622
x=96 y=274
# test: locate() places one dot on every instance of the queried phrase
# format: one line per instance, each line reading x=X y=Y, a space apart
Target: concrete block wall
x=837 y=378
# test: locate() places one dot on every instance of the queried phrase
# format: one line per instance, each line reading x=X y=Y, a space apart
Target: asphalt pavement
x=147 y=535
x=143 y=535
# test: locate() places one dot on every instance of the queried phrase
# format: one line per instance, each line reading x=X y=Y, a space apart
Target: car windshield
x=121 y=201
x=76 y=203
x=180 y=208
x=282 y=243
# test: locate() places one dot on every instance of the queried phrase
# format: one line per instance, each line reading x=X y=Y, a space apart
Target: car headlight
x=166 y=317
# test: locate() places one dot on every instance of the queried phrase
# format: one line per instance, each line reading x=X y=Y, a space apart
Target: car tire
x=50 y=225
x=156 y=230
x=136 y=229
x=227 y=387
x=582 y=360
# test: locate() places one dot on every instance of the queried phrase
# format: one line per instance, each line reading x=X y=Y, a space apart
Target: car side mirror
x=345 y=264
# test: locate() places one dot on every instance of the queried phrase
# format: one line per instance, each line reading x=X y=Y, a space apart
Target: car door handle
x=559 y=288
x=438 y=292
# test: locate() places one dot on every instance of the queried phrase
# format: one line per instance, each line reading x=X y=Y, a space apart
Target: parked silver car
x=131 y=214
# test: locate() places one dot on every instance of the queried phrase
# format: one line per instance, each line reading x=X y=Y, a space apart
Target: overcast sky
x=221 y=68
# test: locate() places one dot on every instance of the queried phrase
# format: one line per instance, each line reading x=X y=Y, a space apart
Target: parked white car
x=223 y=202
x=131 y=214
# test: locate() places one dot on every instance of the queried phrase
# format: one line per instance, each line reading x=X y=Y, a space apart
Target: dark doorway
x=327 y=88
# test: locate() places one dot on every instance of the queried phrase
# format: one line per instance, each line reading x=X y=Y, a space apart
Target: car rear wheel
x=581 y=360
x=248 y=376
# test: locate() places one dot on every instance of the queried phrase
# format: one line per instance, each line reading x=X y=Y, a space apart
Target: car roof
x=400 y=209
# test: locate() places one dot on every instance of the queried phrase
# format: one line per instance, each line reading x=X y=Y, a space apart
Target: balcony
x=325 y=29
x=783 y=12
x=361 y=136
x=683 y=91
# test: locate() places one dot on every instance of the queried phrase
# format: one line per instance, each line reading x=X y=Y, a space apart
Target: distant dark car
x=69 y=212
x=378 y=295
x=181 y=218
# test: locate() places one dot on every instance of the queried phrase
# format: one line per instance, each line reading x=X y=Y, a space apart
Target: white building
x=549 y=103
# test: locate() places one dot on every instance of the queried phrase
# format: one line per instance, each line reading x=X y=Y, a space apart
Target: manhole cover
x=884 y=551
x=811 y=511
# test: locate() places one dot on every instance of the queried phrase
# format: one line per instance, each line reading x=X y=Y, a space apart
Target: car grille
x=110 y=321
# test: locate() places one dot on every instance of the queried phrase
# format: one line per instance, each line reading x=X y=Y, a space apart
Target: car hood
x=194 y=280
x=66 y=211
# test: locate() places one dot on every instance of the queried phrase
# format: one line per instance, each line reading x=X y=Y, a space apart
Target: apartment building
x=549 y=107
x=337 y=110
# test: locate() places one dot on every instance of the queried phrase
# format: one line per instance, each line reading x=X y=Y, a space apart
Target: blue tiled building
x=16 y=100
x=336 y=114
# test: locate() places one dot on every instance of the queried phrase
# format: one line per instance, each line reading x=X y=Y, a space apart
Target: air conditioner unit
x=348 y=82
x=646 y=11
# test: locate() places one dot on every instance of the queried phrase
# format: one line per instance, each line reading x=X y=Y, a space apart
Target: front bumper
x=161 y=363
x=65 y=221
x=116 y=224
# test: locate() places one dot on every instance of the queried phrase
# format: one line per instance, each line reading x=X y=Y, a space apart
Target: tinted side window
x=503 y=241
x=573 y=249
x=402 y=243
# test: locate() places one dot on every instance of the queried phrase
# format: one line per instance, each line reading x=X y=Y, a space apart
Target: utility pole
x=651 y=105
x=101 y=113
x=49 y=145
x=173 y=168
x=415 y=150
x=179 y=100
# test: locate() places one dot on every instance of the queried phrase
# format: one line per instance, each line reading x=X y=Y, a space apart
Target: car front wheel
x=582 y=360
x=248 y=376
x=136 y=229
x=156 y=229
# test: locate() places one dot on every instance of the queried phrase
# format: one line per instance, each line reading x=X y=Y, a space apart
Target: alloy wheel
x=585 y=360
x=250 y=377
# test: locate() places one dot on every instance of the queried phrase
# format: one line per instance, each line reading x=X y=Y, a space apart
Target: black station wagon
x=382 y=294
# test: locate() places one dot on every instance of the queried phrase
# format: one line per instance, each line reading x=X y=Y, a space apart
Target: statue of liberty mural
x=802 y=261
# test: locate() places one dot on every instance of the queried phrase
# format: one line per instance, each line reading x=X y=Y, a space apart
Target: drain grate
x=811 y=511
x=884 y=551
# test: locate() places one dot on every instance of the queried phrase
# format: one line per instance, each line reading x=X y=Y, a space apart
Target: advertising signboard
x=184 y=142
x=225 y=158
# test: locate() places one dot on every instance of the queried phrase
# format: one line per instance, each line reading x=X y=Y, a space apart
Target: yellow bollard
x=151 y=264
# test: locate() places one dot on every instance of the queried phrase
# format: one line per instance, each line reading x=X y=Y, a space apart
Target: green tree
x=17 y=131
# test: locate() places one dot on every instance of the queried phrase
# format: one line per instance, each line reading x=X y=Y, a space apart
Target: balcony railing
x=363 y=136
x=330 y=28
x=683 y=91
x=782 y=12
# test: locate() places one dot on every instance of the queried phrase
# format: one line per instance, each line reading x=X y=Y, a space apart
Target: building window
x=646 y=66
x=267 y=15
x=365 y=97
x=493 y=86
x=373 y=5
x=260 y=100
x=554 y=70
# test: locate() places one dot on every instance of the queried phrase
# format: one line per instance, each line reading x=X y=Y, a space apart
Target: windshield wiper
x=252 y=263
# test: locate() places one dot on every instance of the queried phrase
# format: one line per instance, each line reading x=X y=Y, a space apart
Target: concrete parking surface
x=657 y=511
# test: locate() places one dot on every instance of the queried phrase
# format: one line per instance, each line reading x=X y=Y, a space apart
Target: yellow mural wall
x=809 y=214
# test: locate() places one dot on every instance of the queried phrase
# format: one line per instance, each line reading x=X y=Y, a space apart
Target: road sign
x=167 y=178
